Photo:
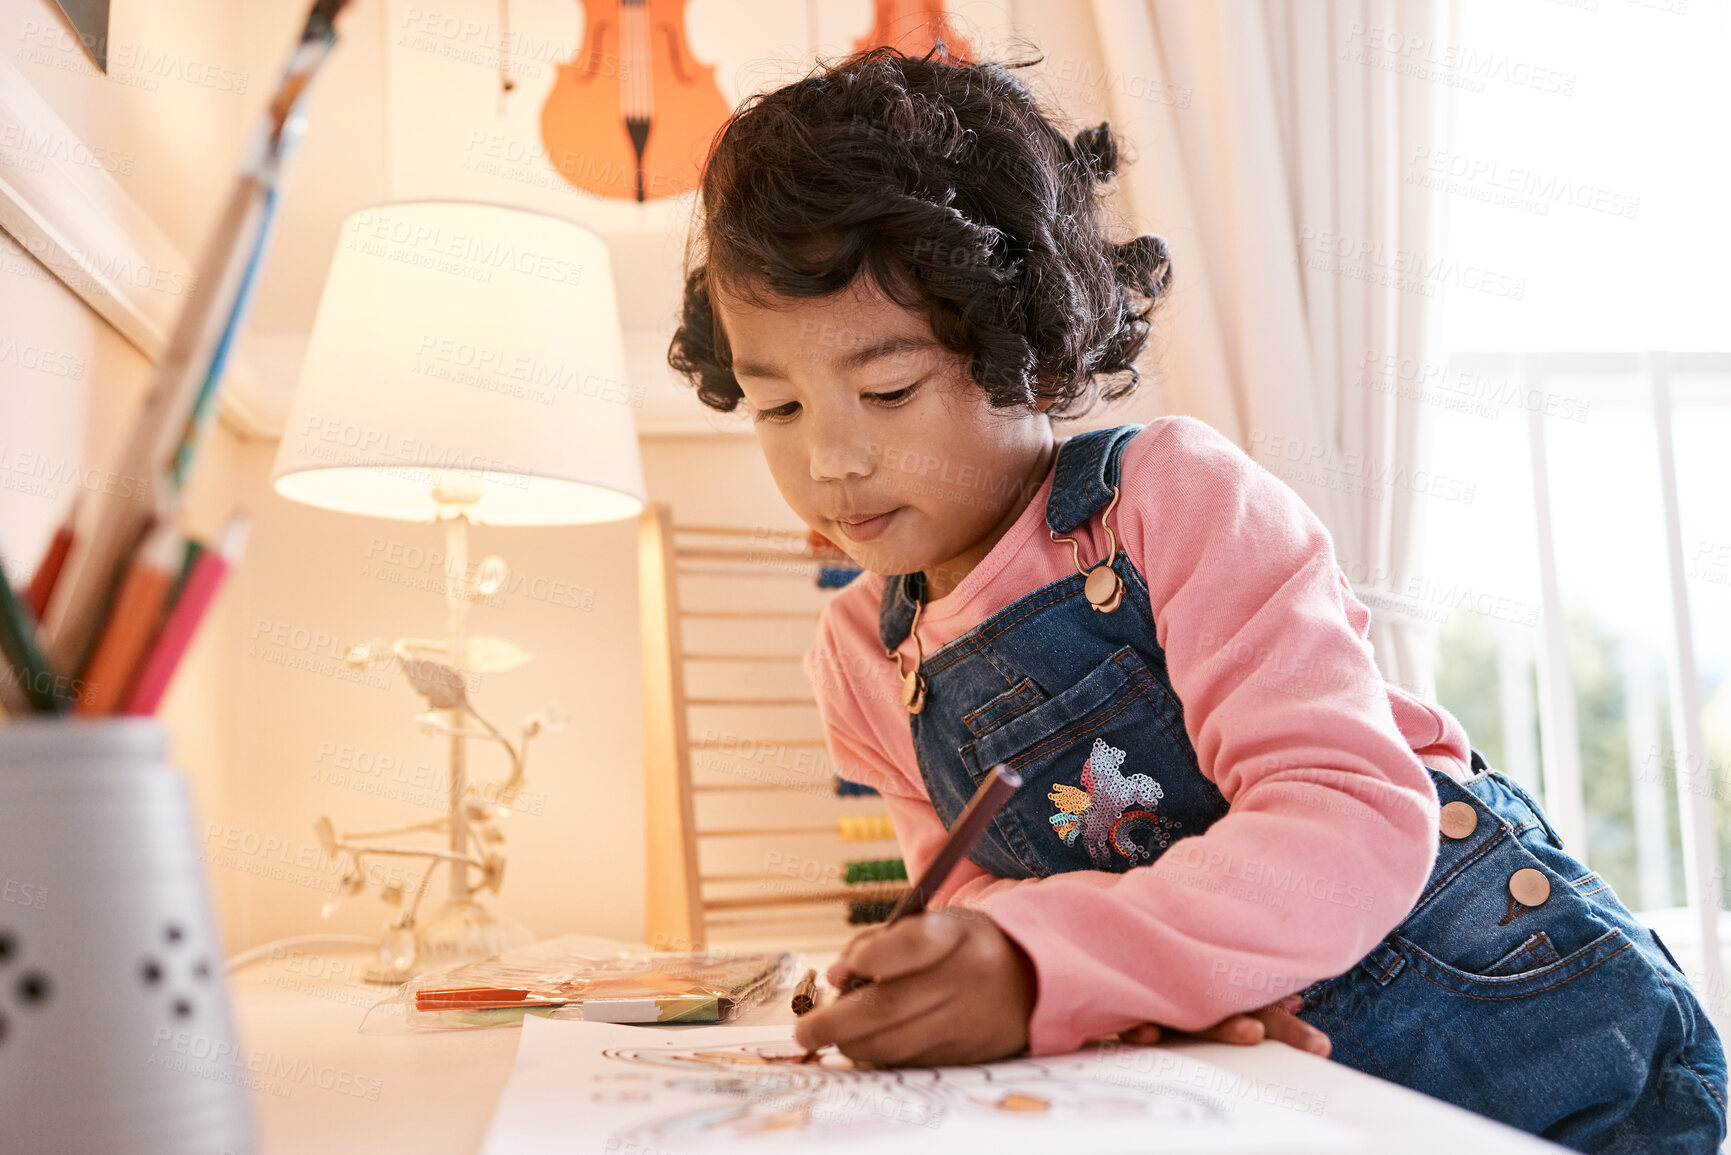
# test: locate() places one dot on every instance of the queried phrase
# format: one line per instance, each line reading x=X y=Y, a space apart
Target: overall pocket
x=1110 y=779
x=1534 y=953
x=1532 y=968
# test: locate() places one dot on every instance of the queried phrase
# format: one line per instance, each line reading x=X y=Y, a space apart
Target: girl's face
x=876 y=435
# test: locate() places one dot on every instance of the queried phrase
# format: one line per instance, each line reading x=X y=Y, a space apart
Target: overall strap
x=1082 y=483
x=1086 y=474
x=903 y=593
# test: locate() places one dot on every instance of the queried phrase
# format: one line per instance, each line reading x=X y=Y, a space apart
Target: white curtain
x=1271 y=144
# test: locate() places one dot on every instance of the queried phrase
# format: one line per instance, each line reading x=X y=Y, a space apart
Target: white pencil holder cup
x=115 y=1031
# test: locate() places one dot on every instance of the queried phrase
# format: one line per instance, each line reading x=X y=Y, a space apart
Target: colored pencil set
x=166 y=591
x=106 y=637
x=567 y=975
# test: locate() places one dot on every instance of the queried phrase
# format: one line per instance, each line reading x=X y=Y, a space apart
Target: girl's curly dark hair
x=944 y=181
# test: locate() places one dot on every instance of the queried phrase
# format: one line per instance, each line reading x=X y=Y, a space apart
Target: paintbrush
x=184 y=387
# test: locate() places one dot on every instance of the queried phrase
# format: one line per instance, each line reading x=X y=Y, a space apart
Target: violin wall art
x=632 y=114
x=913 y=27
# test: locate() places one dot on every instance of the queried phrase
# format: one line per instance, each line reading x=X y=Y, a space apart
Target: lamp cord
x=258 y=952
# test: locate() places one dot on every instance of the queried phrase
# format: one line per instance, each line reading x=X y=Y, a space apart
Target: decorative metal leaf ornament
x=439 y=684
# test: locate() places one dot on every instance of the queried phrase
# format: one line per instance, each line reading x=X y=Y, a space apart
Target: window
x=1604 y=204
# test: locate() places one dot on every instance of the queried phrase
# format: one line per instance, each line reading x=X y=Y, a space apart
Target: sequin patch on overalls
x=1109 y=809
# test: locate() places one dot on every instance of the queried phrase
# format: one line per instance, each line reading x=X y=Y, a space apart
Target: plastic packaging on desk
x=581 y=977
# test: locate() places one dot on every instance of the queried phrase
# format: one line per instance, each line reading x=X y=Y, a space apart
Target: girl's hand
x=1276 y=1021
x=949 y=988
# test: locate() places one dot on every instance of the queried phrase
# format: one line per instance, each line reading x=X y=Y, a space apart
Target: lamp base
x=461 y=930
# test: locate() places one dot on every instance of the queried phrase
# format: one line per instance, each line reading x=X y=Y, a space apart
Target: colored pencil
x=13 y=700
x=12 y=696
x=195 y=549
x=28 y=668
x=997 y=788
x=185 y=613
x=47 y=574
x=136 y=615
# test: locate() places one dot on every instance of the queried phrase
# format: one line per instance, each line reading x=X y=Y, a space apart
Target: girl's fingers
x=1276 y=1021
x=838 y=971
x=947 y=1036
x=1294 y=1032
x=913 y=944
x=881 y=1006
x=1242 y=1030
x=946 y=988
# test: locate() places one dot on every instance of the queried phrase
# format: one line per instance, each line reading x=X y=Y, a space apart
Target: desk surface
x=324 y=1088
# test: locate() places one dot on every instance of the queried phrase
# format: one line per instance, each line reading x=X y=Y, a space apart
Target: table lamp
x=466 y=366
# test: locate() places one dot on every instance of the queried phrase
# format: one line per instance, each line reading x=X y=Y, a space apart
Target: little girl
x=902 y=271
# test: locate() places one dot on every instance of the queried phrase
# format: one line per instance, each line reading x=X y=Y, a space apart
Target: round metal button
x=1459 y=819
x=913 y=691
x=1103 y=588
x=1530 y=887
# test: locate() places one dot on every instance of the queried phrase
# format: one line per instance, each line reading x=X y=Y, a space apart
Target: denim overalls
x=1518 y=986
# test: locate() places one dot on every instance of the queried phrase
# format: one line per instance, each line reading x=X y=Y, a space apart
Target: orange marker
x=131 y=625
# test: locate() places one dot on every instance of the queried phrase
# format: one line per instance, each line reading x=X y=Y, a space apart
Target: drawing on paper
x=738 y=1090
x=764 y=1088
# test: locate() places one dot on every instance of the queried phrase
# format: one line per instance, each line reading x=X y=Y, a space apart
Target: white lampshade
x=465 y=346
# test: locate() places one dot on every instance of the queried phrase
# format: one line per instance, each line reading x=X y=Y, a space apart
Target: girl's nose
x=838 y=451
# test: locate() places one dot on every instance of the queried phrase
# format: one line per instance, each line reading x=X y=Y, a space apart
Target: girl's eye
x=779 y=413
x=894 y=398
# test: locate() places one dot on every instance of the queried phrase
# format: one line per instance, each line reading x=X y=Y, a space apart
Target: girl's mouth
x=867 y=528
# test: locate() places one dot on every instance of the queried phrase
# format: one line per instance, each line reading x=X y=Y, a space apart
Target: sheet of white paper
x=628 y=1090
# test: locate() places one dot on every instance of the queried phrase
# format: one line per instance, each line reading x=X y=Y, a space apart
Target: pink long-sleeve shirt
x=1332 y=826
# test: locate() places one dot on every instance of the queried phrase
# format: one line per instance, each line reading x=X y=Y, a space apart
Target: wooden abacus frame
x=678 y=914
